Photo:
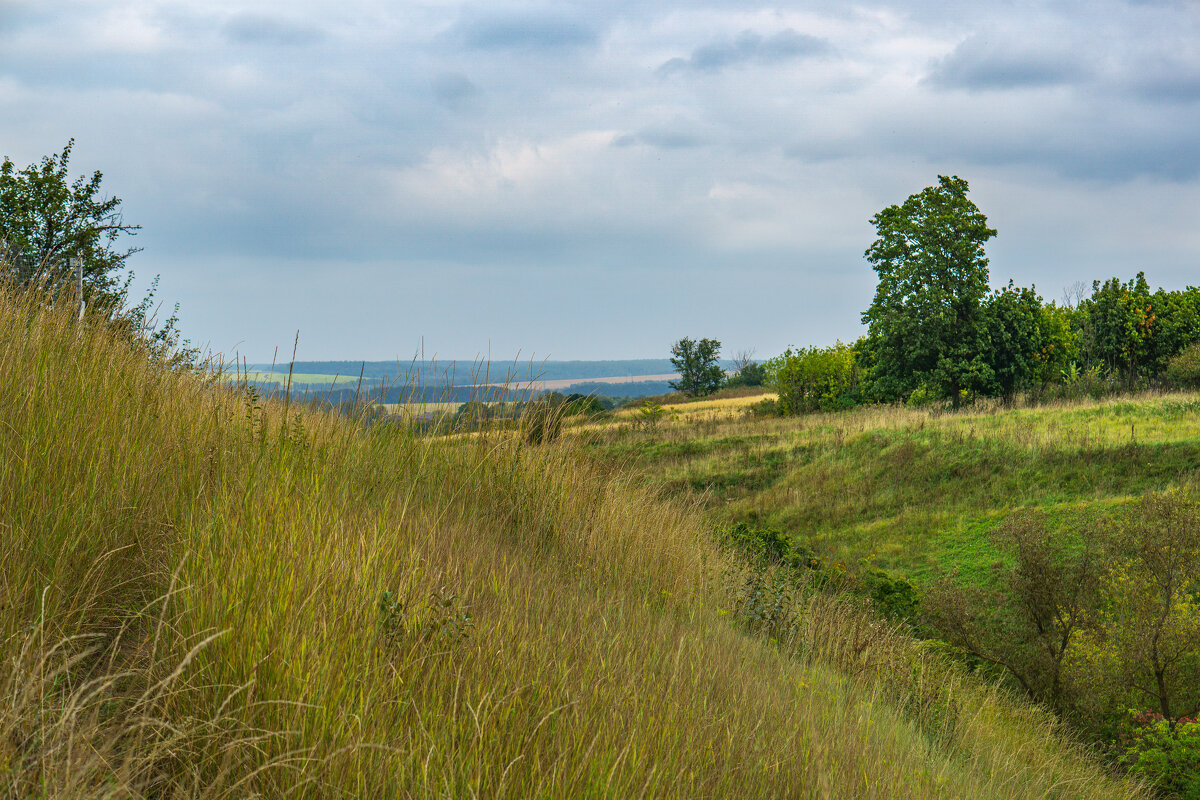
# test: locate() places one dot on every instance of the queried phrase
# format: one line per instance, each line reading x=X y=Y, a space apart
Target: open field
x=418 y=408
x=299 y=379
x=914 y=490
x=563 y=383
x=205 y=595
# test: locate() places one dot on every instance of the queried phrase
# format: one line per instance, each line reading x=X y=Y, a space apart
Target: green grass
x=192 y=604
x=916 y=490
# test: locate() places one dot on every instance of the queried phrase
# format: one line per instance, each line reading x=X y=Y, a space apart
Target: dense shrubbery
x=1184 y=368
x=895 y=598
x=1096 y=620
x=815 y=379
x=1164 y=752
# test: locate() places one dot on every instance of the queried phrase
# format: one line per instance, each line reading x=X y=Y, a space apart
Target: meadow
x=911 y=490
x=207 y=594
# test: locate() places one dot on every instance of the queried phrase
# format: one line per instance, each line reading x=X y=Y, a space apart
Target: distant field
x=298 y=378
x=417 y=408
x=568 y=382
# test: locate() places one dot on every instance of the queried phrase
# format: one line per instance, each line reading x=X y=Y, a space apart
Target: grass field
x=299 y=379
x=914 y=490
x=206 y=595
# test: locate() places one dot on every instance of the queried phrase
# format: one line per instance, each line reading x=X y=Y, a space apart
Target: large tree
x=46 y=221
x=698 y=365
x=927 y=325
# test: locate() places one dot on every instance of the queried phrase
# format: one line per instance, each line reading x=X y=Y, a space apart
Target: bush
x=1184 y=368
x=815 y=379
x=1166 y=754
x=768 y=407
x=750 y=375
x=541 y=421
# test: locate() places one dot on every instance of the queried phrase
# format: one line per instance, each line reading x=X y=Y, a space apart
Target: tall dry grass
x=204 y=595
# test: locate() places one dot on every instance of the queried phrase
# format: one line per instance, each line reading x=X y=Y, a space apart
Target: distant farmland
x=565 y=383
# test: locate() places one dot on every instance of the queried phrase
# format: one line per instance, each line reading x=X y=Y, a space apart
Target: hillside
x=915 y=490
x=206 y=595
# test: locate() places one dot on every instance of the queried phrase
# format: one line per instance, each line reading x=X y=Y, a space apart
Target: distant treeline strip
x=466 y=372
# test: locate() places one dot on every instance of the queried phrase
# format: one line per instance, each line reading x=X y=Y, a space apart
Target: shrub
x=1166 y=754
x=768 y=407
x=541 y=421
x=815 y=379
x=749 y=375
x=1184 y=368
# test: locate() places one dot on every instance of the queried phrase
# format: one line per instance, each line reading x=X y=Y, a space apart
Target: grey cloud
x=250 y=28
x=749 y=48
x=454 y=90
x=667 y=137
x=1168 y=83
x=526 y=32
x=984 y=63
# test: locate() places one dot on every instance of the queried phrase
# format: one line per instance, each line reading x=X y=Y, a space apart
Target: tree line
x=935 y=331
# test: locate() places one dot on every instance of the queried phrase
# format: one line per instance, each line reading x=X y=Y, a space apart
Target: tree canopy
x=698 y=365
x=46 y=220
x=926 y=325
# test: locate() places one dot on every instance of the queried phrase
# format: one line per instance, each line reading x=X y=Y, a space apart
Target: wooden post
x=79 y=283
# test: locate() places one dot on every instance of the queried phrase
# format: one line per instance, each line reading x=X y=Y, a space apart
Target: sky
x=589 y=180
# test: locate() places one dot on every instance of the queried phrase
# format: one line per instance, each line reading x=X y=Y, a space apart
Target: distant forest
x=465 y=372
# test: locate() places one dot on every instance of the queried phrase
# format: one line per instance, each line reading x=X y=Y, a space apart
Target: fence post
x=79 y=283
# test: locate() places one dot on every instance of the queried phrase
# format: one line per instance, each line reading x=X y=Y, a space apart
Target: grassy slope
x=191 y=607
x=918 y=490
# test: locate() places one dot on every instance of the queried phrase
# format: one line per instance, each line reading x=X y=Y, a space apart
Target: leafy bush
x=541 y=421
x=441 y=619
x=895 y=598
x=583 y=404
x=1184 y=369
x=768 y=407
x=815 y=379
x=767 y=546
x=649 y=413
x=751 y=374
x=1166 y=754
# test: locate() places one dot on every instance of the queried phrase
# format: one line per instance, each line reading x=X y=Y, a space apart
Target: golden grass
x=193 y=605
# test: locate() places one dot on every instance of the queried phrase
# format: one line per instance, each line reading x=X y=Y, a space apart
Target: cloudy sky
x=596 y=179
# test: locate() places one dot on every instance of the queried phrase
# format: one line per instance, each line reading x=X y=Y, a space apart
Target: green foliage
x=815 y=379
x=698 y=365
x=927 y=323
x=541 y=421
x=1119 y=324
x=583 y=404
x=767 y=407
x=892 y=596
x=1015 y=337
x=649 y=414
x=45 y=220
x=1149 y=622
x=1164 y=752
x=1030 y=618
x=1184 y=368
x=751 y=374
x=766 y=547
x=441 y=619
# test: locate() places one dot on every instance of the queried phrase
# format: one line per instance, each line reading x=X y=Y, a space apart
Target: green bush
x=541 y=421
x=1165 y=754
x=768 y=407
x=815 y=379
x=1184 y=368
